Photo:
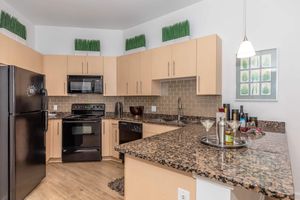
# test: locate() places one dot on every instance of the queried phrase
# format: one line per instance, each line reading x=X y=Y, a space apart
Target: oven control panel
x=91 y=107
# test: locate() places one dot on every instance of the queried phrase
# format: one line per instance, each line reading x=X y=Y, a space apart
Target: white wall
x=60 y=40
x=29 y=26
x=271 y=23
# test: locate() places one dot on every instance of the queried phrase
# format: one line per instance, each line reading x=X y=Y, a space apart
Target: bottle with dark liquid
x=243 y=121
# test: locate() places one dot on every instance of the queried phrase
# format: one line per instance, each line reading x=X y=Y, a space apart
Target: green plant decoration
x=135 y=42
x=87 y=45
x=176 y=31
x=13 y=25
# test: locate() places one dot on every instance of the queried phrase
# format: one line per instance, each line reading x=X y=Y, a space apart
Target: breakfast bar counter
x=262 y=167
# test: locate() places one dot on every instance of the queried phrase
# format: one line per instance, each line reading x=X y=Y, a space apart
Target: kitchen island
x=178 y=156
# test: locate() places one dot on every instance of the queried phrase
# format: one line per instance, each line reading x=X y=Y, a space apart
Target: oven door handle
x=71 y=122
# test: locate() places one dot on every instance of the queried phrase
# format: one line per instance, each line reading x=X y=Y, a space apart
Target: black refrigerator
x=23 y=124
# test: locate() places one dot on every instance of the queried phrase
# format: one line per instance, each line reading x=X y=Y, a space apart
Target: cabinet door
x=184 y=59
x=209 y=65
x=94 y=65
x=55 y=69
x=5 y=49
x=145 y=84
x=123 y=76
x=154 y=129
x=49 y=139
x=134 y=73
x=161 y=63
x=56 y=146
x=76 y=65
x=110 y=76
x=115 y=139
x=106 y=138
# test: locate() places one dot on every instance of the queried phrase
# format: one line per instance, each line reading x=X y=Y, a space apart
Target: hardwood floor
x=79 y=181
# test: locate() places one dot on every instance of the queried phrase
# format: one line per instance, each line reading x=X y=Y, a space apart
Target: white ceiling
x=108 y=14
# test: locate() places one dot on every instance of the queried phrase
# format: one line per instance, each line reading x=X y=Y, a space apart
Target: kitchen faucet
x=180 y=108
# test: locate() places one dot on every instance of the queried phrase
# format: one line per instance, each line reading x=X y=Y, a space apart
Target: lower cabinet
x=54 y=141
x=110 y=138
x=154 y=129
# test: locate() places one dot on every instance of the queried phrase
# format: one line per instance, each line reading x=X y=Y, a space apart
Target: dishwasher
x=129 y=131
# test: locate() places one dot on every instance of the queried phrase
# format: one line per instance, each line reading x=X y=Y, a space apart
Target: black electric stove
x=82 y=133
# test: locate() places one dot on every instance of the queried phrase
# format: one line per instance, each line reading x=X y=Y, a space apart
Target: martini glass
x=207 y=125
x=234 y=125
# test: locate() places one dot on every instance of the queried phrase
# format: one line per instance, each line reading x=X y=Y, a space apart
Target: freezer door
x=4 y=133
x=27 y=153
x=27 y=91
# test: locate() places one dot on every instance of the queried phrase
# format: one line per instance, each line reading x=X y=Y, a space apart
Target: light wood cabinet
x=155 y=129
x=85 y=65
x=209 y=65
x=106 y=138
x=15 y=53
x=184 y=59
x=94 y=65
x=54 y=141
x=134 y=73
x=147 y=87
x=161 y=63
x=55 y=69
x=115 y=138
x=123 y=75
x=175 y=61
x=110 y=76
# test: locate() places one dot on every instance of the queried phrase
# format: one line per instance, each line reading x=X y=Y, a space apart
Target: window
x=257 y=76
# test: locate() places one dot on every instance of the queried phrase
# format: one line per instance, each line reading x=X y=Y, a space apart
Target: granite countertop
x=262 y=167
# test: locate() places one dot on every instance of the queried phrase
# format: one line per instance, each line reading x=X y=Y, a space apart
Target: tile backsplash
x=64 y=103
x=193 y=105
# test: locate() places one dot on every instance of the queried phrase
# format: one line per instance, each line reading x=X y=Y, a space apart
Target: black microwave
x=85 y=84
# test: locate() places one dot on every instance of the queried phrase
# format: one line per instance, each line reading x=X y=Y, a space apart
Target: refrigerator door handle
x=46 y=120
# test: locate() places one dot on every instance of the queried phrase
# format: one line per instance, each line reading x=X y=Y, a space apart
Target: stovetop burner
x=85 y=112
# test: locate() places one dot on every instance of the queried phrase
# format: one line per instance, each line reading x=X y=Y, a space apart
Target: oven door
x=85 y=84
x=81 y=134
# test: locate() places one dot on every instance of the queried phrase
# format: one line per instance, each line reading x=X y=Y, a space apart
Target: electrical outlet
x=55 y=107
x=153 y=108
x=183 y=194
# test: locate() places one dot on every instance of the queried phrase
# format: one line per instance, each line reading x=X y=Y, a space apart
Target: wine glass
x=234 y=125
x=207 y=123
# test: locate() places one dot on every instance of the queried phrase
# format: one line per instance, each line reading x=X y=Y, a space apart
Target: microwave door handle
x=70 y=122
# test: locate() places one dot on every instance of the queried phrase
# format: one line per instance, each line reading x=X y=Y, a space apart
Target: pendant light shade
x=246 y=49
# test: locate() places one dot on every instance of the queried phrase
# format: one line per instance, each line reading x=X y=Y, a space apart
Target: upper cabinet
x=134 y=75
x=85 y=65
x=175 y=61
x=55 y=69
x=15 y=53
x=209 y=65
x=123 y=75
x=110 y=76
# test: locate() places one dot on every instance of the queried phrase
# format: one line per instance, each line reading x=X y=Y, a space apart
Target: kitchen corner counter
x=263 y=167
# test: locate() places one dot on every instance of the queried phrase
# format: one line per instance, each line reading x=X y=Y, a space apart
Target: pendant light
x=246 y=49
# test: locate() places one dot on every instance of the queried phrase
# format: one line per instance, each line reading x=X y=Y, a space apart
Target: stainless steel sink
x=172 y=121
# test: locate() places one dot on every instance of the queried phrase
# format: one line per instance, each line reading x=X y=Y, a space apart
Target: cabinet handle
x=137 y=87
x=127 y=87
x=64 y=87
x=103 y=128
x=198 y=84
x=141 y=87
x=168 y=68
x=82 y=67
x=57 y=128
x=116 y=135
x=104 y=88
x=173 y=68
x=87 y=64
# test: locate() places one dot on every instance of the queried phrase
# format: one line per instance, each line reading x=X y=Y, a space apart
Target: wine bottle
x=242 y=117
